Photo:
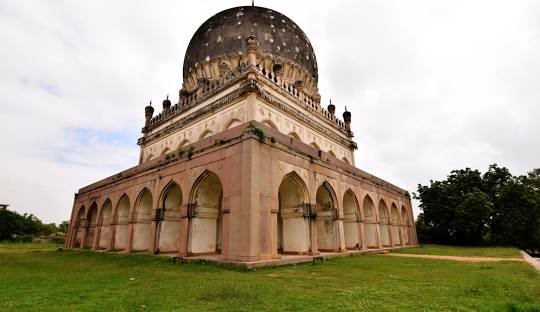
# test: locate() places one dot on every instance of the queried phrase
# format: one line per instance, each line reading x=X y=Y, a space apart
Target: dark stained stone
x=226 y=32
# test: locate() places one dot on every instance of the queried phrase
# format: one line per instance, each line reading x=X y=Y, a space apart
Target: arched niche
x=232 y=123
x=78 y=228
x=326 y=211
x=394 y=219
x=105 y=220
x=270 y=123
x=166 y=150
x=91 y=225
x=351 y=226
x=384 y=227
x=295 y=136
x=205 y=215
x=405 y=226
x=121 y=218
x=169 y=219
x=142 y=222
x=292 y=227
x=370 y=223
x=206 y=133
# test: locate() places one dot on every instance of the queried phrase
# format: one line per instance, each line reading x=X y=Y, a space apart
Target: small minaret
x=166 y=104
x=251 y=48
x=331 y=108
x=347 y=120
x=148 y=113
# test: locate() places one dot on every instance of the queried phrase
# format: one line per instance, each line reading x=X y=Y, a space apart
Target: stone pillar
x=184 y=230
x=110 y=246
x=250 y=205
x=314 y=246
x=362 y=239
x=154 y=230
x=129 y=245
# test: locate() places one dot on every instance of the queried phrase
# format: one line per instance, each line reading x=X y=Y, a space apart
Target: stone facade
x=247 y=166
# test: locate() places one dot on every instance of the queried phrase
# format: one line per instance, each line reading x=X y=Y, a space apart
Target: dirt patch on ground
x=456 y=258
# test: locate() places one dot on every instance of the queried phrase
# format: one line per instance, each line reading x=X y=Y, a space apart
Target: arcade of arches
x=333 y=222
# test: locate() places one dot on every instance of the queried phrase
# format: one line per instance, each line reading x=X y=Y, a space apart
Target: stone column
x=184 y=230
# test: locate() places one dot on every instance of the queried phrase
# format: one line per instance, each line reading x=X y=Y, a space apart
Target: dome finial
x=331 y=108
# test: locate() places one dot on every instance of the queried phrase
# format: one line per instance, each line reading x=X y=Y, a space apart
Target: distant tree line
x=17 y=227
x=470 y=208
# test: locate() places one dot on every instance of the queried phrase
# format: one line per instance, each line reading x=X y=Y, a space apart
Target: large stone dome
x=226 y=33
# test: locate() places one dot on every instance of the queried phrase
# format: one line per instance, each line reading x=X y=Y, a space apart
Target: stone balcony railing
x=209 y=88
x=309 y=103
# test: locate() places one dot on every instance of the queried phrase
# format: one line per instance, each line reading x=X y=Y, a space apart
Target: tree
x=63 y=227
x=13 y=223
x=472 y=209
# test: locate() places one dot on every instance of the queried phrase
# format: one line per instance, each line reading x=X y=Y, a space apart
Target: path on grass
x=456 y=258
x=533 y=261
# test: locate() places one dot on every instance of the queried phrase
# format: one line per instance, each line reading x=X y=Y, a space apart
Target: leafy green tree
x=63 y=227
x=472 y=209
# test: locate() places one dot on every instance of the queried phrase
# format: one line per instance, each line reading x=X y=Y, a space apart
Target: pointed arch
x=405 y=226
x=206 y=133
x=91 y=224
x=105 y=221
x=345 y=160
x=183 y=143
x=351 y=216
x=168 y=229
x=326 y=208
x=384 y=223
x=233 y=122
x=121 y=218
x=332 y=153
x=78 y=229
x=394 y=220
x=166 y=150
x=270 y=123
x=205 y=226
x=295 y=136
x=292 y=228
x=315 y=145
x=142 y=220
x=370 y=222
x=149 y=157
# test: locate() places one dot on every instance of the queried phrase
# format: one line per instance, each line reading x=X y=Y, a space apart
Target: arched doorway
x=292 y=223
x=205 y=215
x=370 y=223
x=78 y=229
x=142 y=217
x=121 y=228
x=351 y=226
x=326 y=212
x=384 y=228
x=169 y=219
x=394 y=218
x=405 y=226
x=105 y=221
x=91 y=225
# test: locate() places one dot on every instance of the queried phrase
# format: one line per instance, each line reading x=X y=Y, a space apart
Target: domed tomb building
x=247 y=166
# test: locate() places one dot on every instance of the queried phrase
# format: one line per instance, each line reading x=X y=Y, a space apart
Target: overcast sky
x=432 y=85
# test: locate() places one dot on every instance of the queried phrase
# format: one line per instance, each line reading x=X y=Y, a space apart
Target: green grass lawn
x=46 y=279
x=465 y=251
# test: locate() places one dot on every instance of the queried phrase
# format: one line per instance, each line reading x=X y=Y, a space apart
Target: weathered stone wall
x=245 y=222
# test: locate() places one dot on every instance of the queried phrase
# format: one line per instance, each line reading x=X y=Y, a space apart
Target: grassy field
x=45 y=279
x=465 y=251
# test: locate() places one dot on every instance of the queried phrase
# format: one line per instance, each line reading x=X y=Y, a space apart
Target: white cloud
x=432 y=86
